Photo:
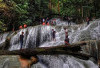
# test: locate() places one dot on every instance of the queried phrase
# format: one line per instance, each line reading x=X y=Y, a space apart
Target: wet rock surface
x=9 y=62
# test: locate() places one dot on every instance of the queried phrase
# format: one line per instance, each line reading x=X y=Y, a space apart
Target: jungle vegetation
x=14 y=13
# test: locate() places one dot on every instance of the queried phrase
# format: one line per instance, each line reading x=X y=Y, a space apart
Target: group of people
x=68 y=19
x=53 y=37
x=22 y=37
x=53 y=31
x=53 y=22
x=45 y=21
x=27 y=62
x=66 y=36
x=24 y=26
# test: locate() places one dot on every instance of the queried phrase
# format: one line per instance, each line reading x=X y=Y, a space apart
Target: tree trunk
x=73 y=49
x=62 y=50
x=58 y=8
x=50 y=4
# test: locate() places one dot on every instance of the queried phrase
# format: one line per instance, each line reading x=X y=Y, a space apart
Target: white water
x=59 y=22
x=3 y=37
x=40 y=36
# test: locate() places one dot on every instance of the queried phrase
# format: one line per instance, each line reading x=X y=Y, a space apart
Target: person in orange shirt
x=25 y=25
x=43 y=23
x=20 y=27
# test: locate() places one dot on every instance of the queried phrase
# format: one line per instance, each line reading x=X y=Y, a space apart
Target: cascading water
x=33 y=37
x=59 y=22
x=63 y=61
x=3 y=37
x=40 y=36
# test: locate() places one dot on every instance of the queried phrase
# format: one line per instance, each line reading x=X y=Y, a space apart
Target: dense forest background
x=14 y=13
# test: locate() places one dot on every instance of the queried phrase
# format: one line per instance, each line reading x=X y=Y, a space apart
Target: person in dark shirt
x=87 y=19
x=67 y=41
x=66 y=37
x=47 y=20
x=69 y=23
x=53 y=34
x=21 y=40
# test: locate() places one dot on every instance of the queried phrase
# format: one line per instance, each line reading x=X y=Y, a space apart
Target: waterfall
x=33 y=37
x=59 y=22
x=64 y=61
x=41 y=36
x=3 y=37
x=5 y=64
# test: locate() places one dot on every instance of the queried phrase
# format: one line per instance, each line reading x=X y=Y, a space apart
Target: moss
x=15 y=32
x=7 y=44
x=41 y=49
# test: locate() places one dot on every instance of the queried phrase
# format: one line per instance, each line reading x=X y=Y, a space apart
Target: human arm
x=67 y=43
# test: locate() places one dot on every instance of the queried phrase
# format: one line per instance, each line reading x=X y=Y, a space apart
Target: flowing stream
x=41 y=36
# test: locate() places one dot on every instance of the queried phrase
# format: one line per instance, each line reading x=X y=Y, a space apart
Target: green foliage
x=2 y=27
x=14 y=13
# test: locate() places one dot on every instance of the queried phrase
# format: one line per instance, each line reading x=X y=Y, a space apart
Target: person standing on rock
x=43 y=21
x=47 y=20
x=67 y=41
x=66 y=32
x=21 y=40
x=69 y=23
x=87 y=19
x=53 y=35
x=66 y=37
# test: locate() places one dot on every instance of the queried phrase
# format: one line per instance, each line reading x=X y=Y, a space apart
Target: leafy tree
x=14 y=13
